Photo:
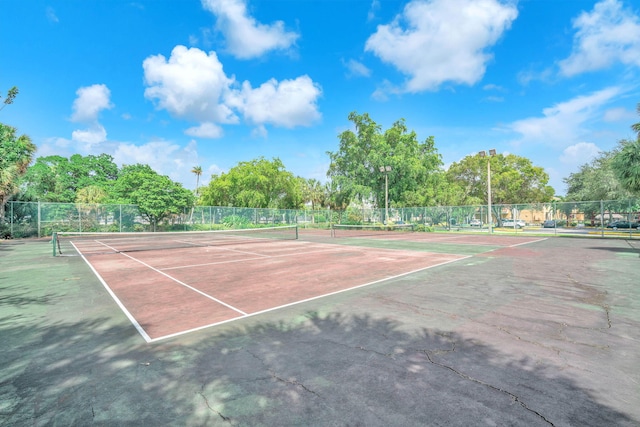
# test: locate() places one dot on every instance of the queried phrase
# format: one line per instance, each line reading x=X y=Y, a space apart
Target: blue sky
x=180 y=83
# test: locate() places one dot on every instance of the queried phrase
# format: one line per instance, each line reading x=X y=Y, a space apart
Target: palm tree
x=626 y=165
x=314 y=193
x=91 y=195
x=626 y=162
x=15 y=155
x=198 y=171
x=636 y=126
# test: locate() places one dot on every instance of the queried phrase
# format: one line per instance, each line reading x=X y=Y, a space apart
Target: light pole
x=492 y=152
x=386 y=170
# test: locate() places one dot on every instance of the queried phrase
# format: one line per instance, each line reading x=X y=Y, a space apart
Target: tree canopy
x=258 y=183
x=409 y=164
x=58 y=179
x=157 y=196
x=626 y=161
x=596 y=181
x=16 y=153
x=367 y=158
x=514 y=179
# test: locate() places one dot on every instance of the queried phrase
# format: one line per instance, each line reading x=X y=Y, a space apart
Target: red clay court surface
x=171 y=292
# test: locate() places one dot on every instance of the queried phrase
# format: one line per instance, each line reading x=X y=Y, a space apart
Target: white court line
x=526 y=243
x=132 y=319
x=453 y=239
x=431 y=239
x=305 y=300
x=181 y=283
x=212 y=246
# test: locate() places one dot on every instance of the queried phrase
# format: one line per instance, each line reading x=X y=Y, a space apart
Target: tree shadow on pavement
x=342 y=370
x=328 y=370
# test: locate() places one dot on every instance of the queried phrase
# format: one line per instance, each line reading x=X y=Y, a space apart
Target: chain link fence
x=597 y=218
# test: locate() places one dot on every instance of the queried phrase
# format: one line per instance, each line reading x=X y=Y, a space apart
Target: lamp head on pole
x=492 y=152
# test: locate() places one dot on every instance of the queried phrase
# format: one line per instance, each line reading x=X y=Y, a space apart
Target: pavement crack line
x=276 y=377
x=206 y=401
x=389 y=355
x=597 y=299
x=515 y=398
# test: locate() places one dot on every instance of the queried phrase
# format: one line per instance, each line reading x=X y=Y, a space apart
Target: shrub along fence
x=41 y=219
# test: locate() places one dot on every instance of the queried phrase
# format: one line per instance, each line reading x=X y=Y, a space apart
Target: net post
x=296 y=231
x=54 y=240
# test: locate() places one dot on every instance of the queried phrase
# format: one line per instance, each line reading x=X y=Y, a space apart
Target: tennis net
x=348 y=230
x=89 y=243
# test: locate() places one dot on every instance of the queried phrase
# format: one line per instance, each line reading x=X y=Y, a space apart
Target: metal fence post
x=602 y=218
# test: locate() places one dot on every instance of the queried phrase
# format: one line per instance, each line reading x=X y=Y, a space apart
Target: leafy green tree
x=626 y=161
x=338 y=193
x=443 y=192
x=514 y=179
x=157 y=196
x=58 y=179
x=355 y=167
x=596 y=181
x=92 y=194
x=636 y=126
x=314 y=193
x=258 y=183
x=626 y=165
x=16 y=152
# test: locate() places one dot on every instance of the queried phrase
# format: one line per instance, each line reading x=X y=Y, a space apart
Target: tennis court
x=395 y=330
x=173 y=283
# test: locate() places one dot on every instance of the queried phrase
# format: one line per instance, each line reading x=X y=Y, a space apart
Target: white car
x=511 y=223
x=475 y=223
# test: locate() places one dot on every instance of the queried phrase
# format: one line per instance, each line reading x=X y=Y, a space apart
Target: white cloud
x=356 y=68
x=439 y=41
x=90 y=101
x=564 y=123
x=373 y=9
x=190 y=84
x=579 y=154
x=604 y=36
x=245 y=37
x=259 y=132
x=164 y=157
x=495 y=87
x=618 y=115
x=527 y=76
x=205 y=130
x=91 y=136
x=288 y=103
x=494 y=99
x=51 y=15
